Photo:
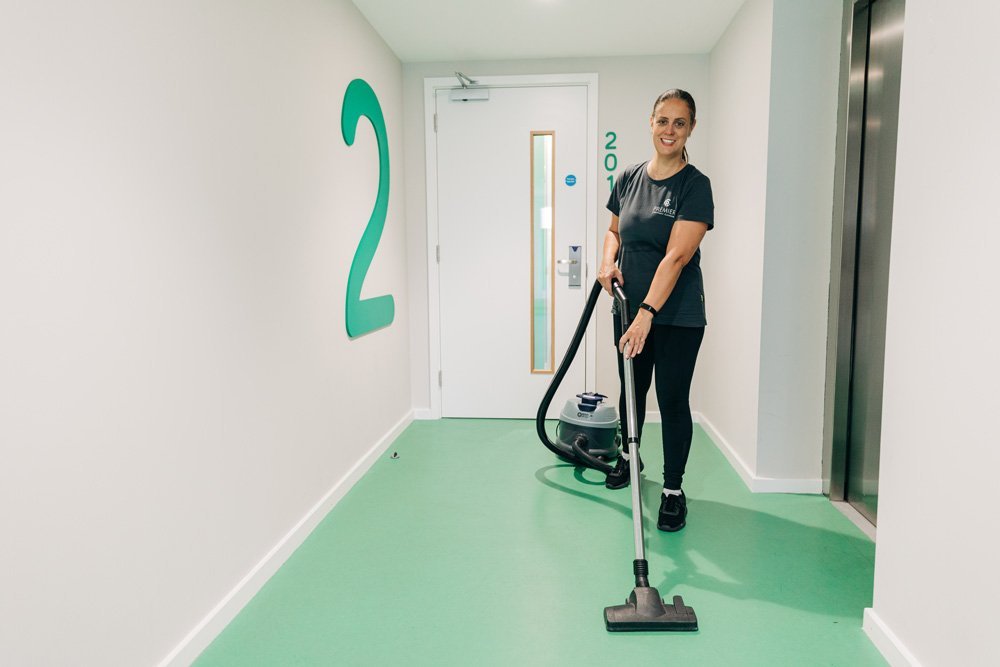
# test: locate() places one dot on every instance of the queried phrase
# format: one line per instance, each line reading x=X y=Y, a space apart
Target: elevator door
x=876 y=58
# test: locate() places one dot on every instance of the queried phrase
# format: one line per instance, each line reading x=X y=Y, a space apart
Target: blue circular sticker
x=571 y=180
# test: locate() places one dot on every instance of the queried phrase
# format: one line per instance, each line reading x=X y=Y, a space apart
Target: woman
x=661 y=210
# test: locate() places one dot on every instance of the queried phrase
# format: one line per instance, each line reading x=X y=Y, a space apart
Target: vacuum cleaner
x=588 y=435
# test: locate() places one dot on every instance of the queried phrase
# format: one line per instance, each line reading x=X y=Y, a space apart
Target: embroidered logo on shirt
x=665 y=209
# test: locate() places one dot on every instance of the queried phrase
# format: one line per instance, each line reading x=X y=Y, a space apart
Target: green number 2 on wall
x=366 y=315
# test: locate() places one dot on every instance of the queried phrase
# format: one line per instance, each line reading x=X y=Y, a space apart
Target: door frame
x=431 y=87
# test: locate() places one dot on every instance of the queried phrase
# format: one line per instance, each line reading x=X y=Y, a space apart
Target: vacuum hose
x=567 y=360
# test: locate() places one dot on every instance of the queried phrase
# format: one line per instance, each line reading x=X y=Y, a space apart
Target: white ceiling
x=446 y=30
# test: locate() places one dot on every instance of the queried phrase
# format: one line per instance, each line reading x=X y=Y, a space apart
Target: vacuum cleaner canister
x=591 y=423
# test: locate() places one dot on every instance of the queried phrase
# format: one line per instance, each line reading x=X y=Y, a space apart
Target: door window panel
x=542 y=251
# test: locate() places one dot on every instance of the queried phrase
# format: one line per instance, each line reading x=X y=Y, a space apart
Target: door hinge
x=437 y=253
x=440 y=378
x=435 y=122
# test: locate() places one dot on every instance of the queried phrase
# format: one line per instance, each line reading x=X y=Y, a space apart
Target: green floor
x=476 y=547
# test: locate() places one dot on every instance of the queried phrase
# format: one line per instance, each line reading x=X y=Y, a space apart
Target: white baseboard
x=753 y=482
x=787 y=485
x=216 y=620
x=738 y=464
x=886 y=641
x=425 y=413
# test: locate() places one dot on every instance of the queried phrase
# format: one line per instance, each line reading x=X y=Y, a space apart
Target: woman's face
x=671 y=125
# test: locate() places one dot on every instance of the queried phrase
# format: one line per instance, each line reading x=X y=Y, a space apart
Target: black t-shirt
x=646 y=211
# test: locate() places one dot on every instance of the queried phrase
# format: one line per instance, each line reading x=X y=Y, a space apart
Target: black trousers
x=673 y=352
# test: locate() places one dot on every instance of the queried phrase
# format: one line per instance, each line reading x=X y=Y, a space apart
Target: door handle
x=567 y=261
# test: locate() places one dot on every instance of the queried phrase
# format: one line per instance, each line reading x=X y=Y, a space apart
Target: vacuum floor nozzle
x=645 y=610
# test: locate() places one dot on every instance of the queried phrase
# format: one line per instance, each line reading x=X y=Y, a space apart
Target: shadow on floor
x=744 y=553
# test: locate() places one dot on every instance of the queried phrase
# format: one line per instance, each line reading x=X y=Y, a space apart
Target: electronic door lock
x=575 y=262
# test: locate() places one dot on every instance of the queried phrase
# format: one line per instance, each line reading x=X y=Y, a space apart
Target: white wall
x=936 y=582
x=725 y=389
x=628 y=88
x=802 y=131
x=760 y=383
x=178 y=214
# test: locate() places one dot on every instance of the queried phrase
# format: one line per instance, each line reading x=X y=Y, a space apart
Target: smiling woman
x=661 y=210
x=672 y=122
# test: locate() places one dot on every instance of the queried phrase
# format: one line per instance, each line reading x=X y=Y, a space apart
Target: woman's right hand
x=608 y=273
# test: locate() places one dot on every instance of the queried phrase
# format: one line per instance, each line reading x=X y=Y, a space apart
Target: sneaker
x=620 y=477
x=673 y=512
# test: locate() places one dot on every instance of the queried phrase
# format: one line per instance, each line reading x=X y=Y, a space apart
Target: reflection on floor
x=477 y=547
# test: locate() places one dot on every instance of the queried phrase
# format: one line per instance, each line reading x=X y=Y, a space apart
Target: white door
x=512 y=210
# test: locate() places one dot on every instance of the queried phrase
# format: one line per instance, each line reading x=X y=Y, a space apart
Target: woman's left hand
x=634 y=339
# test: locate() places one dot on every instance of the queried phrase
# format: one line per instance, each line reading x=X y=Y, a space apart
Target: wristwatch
x=646 y=306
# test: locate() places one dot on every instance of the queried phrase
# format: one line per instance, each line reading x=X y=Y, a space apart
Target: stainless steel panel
x=876 y=62
x=575 y=262
x=885 y=54
x=858 y=45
